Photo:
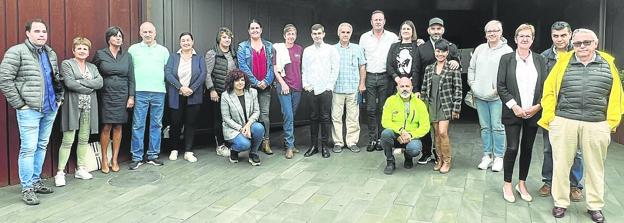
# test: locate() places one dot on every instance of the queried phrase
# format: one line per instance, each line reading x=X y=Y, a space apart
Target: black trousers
x=320 y=115
x=186 y=116
x=376 y=94
x=217 y=125
x=518 y=136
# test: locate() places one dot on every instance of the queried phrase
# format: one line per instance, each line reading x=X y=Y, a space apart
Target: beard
x=405 y=94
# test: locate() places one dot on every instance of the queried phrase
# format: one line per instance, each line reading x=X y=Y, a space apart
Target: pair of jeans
x=155 y=102
x=289 y=104
x=547 y=167
x=241 y=143
x=519 y=136
x=389 y=141
x=340 y=104
x=492 y=129
x=376 y=94
x=185 y=115
x=264 y=100
x=320 y=115
x=34 y=129
x=84 y=132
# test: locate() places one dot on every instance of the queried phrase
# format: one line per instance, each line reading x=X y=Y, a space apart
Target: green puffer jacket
x=21 y=78
x=394 y=117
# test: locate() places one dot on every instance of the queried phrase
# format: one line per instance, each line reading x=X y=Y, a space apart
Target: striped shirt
x=351 y=58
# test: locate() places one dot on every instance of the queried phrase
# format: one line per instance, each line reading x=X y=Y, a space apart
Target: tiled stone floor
x=348 y=187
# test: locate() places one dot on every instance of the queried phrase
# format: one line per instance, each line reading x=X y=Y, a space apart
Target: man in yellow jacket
x=582 y=104
x=405 y=120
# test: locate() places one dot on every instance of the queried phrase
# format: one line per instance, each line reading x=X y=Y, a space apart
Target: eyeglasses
x=582 y=43
x=492 y=31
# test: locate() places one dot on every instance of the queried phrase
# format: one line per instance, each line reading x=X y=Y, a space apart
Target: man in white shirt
x=319 y=70
x=376 y=44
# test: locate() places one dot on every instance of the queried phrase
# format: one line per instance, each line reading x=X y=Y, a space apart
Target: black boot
x=311 y=151
x=409 y=163
x=389 y=167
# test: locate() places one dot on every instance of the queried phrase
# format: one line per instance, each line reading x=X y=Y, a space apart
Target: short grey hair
x=344 y=24
x=583 y=30
x=491 y=23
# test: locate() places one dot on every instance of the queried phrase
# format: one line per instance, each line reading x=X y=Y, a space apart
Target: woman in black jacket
x=220 y=61
x=521 y=76
x=403 y=59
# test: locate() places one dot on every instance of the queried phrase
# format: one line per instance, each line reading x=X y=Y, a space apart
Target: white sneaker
x=173 y=155
x=397 y=151
x=223 y=150
x=498 y=164
x=82 y=173
x=188 y=156
x=59 y=179
x=485 y=162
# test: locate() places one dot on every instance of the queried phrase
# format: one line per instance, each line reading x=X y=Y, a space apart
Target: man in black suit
x=427 y=57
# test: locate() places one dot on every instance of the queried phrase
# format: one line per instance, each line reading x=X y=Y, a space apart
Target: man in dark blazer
x=426 y=57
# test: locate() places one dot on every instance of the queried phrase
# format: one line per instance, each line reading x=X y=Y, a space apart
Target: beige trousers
x=353 y=118
x=566 y=135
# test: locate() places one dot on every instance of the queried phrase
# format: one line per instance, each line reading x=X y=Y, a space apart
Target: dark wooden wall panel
x=66 y=20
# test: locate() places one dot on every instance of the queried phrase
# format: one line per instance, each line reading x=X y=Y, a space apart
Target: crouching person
x=405 y=120
x=240 y=110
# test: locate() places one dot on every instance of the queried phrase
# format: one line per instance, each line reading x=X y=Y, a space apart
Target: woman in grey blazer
x=80 y=109
x=240 y=110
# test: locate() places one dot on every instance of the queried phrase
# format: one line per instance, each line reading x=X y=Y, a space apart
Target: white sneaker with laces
x=498 y=164
x=82 y=173
x=173 y=155
x=485 y=162
x=59 y=179
x=189 y=156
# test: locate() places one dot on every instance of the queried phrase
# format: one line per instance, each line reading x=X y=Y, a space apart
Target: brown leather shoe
x=266 y=147
x=289 y=153
x=576 y=194
x=544 y=191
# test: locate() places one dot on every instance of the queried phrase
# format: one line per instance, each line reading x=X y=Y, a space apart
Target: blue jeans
x=143 y=100
x=492 y=129
x=289 y=103
x=34 y=129
x=576 y=174
x=241 y=143
x=389 y=141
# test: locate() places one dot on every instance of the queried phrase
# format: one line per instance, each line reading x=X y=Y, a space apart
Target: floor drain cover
x=135 y=178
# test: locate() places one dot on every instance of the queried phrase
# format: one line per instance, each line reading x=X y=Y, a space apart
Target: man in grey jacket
x=30 y=81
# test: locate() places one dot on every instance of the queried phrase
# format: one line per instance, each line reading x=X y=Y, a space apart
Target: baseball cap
x=436 y=20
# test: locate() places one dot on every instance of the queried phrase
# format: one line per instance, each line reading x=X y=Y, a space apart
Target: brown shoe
x=446 y=166
x=266 y=147
x=544 y=191
x=115 y=167
x=576 y=194
x=289 y=153
x=105 y=168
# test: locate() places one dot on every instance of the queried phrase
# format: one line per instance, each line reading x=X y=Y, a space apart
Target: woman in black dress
x=117 y=95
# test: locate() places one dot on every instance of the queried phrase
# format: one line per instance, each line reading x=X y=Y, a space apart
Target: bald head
x=147 y=30
x=404 y=87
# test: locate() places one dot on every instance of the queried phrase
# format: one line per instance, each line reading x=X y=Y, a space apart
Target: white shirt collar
x=180 y=51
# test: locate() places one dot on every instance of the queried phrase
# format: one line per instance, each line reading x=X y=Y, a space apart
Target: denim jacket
x=244 y=56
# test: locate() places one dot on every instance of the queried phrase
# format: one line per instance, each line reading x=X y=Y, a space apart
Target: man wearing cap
x=376 y=44
x=427 y=57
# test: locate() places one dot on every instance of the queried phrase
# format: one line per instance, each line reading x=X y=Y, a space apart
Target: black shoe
x=311 y=151
x=254 y=159
x=596 y=216
x=233 y=156
x=325 y=152
x=424 y=159
x=155 y=162
x=135 y=165
x=558 y=212
x=41 y=188
x=371 y=146
x=378 y=145
x=409 y=163
x=389 y=168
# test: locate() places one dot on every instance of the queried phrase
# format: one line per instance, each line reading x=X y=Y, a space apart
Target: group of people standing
x=409 y=86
